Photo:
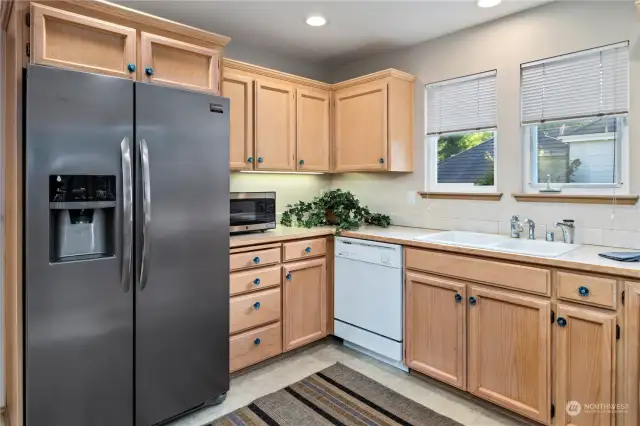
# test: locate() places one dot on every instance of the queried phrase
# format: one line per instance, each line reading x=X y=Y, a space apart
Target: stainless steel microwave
x=253 y=211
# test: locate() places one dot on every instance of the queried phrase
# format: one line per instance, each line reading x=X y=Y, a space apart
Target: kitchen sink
x=499 y=243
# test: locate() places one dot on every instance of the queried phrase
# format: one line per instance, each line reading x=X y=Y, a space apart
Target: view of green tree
x=448 y=146
x=489 y=176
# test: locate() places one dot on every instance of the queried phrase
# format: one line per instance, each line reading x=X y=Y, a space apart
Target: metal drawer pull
x=458 y=298
x=584 y=291
x=257 y=341
x=288 y=276
x=562 y=322
x=307 y=250
x=472 y=300
x=256 y=281
x=256 y=260
x=256 y=305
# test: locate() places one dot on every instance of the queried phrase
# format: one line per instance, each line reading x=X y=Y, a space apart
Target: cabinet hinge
x=553 y=317
x=28 y=49
x=27 y=19
x=553 y=411
x=617 y=332
x=623 y=294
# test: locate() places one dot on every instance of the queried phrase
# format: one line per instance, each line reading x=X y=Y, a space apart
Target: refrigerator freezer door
x=78 y=315
x=182 y=313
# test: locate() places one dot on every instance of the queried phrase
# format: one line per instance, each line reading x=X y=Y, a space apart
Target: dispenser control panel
x=82 y=188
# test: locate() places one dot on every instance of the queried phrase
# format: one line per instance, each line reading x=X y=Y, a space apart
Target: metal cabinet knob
x=561 y=322
x=256 y=305
x=148 y=71
x=256 y=260
x=131 y=67
x=301 y=162
x=458 y=298
x=250 y=160
x=584 y=291
x=381 y=161
x=257 y=341
x=472 y=300
x=288 y=276
x=260 y=160
x=307 y=250
x=256 y=281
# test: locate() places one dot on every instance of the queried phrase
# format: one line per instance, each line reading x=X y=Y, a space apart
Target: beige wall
x=553 y=29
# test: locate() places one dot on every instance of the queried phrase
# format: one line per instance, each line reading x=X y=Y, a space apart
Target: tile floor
x=277 y=375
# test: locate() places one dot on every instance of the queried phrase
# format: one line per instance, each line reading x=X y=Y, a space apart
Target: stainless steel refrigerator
x=126 y=250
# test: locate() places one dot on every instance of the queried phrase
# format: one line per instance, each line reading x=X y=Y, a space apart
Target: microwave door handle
x=127 y=215
x=146 y=210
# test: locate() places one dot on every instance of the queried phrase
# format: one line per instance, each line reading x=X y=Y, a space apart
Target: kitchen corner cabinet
x=632 y=354
x=183 y=65
x=275 y=126
x=435 y=312
x=239 y=90
x=68 y=40
x=585 y=364
x=304 y=302
x=510 y=351
x=312 y=130
x=373 y=123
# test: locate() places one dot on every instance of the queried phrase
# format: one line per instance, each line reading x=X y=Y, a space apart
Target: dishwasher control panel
x=369 y=251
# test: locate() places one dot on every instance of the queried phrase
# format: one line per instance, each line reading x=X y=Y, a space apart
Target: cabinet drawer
x=587 y=289
x=255 y=279
x=254 y=346
x=519 y=277
x=254 y=309
x=253 y=259
x=306 y=248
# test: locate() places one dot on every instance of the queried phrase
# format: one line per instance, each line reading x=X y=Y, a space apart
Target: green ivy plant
x=335 y=207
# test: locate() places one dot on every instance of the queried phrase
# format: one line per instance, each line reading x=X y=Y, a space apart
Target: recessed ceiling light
x=316 y=21
x=488 y=3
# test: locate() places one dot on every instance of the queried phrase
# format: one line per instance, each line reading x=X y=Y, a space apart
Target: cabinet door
x=585 y=365
x=632 y=354
x=175 y=63
x=305 y=302
x=313 y=130
x=435 y=327
x=509 y=351
x=360 y=127
x=239 y=89
x=67 y=40
x=275 y=126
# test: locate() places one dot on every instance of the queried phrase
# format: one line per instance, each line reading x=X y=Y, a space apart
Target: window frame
x=622 y=151
x=431 y=171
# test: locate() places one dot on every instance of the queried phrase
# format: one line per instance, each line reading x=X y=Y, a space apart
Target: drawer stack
x=255 y=305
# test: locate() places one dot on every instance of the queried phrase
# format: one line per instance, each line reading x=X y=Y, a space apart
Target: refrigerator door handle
x=127 y=215
x=146 y=209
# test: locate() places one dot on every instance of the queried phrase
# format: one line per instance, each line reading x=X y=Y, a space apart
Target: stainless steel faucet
x=516 y=226
x=532 y=228
x=568 y=229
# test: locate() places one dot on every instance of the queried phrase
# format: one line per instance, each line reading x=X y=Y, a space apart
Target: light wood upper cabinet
x=175 y=63
x=239 y=89
x=585 y=364
x=305 y=302
x=68 y=40
x=510 y=350
x=435 y=321
x=275 y=126
x=632 y=354
x=360 y=127
x=312 y=130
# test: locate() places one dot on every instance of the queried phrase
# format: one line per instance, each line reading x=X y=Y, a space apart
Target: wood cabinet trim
x=266 y=72
x=5 y=13
x=254 y=248
x=391 y=72
x=479 y=196
x=621 y=200
x=632 y=353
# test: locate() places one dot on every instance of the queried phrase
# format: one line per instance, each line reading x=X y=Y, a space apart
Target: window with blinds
x=461 y=136
x=574 y=112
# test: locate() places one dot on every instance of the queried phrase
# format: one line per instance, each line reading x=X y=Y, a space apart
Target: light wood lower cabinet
x=254 y=346
x=239 y=90
x=435 y=321
x=632 y=354
x=312 y=130
x=68 y=40
x=585 y=365
x=304 y=302
x=174 y=63
x=275 y=126
x=510 y=351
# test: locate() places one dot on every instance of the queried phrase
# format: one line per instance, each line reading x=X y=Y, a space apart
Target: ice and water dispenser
x=82 y=211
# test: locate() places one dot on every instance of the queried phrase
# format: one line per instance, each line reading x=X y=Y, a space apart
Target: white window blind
x=462 y=104
x=584 y=84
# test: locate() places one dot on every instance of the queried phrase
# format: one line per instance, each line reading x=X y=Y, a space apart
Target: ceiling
x=355 y=28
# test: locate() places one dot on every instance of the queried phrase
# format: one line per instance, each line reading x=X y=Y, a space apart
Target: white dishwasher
x=369 y=298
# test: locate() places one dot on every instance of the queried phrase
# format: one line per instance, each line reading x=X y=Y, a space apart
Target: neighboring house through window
x=461 y=134
x=574 y=115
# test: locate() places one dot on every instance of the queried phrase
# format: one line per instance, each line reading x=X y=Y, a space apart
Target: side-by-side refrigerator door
x=182 y=265
x=78 y=249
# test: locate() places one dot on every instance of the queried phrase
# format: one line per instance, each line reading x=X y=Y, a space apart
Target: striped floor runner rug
x=335 y=396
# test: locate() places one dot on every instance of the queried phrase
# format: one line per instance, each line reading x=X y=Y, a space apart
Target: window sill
x=478 y=196
x=622 y=200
